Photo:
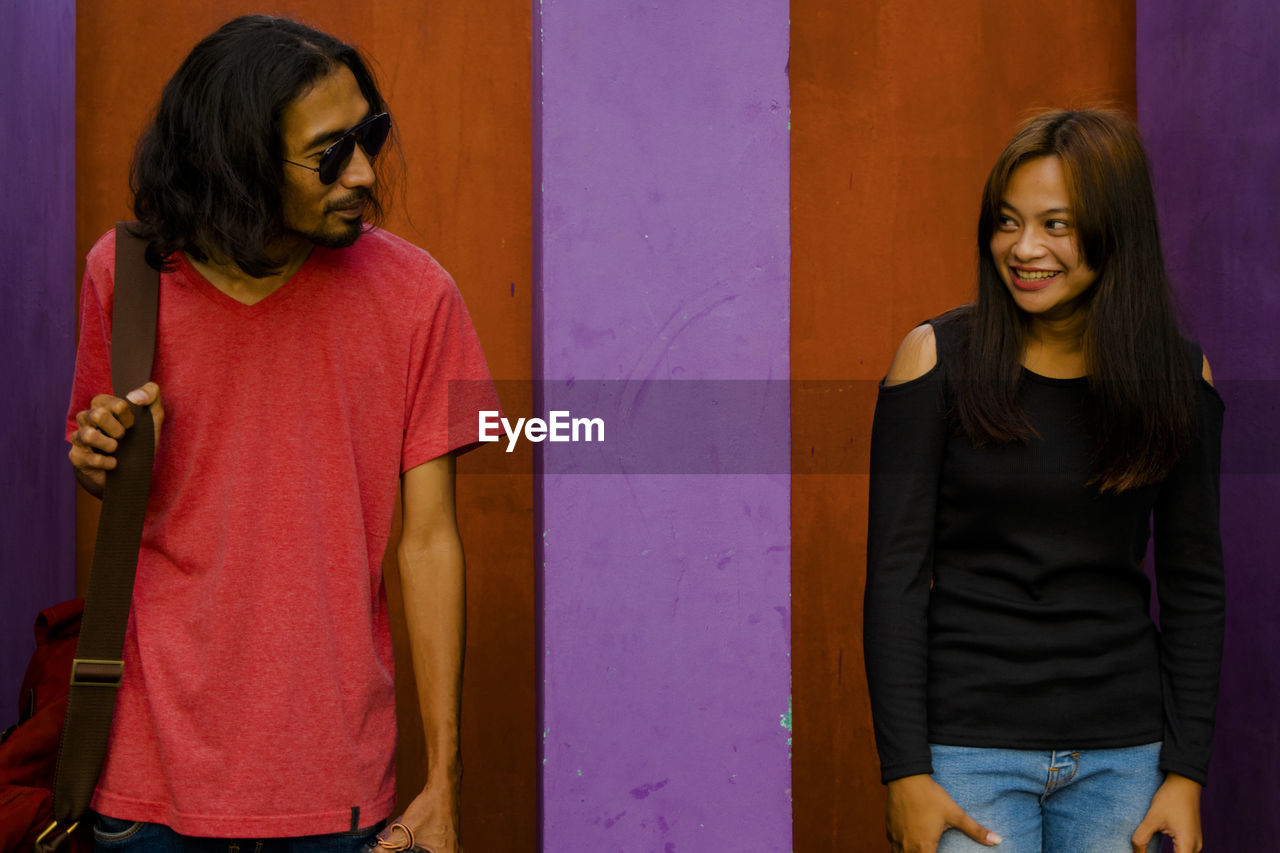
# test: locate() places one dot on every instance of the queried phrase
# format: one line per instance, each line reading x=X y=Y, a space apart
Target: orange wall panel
x=457 y=76
x=898 y=111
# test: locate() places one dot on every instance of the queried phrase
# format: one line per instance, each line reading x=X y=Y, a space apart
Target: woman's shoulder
x=1197 y=360
x=934 y=340
x=952 y=329
x=917 y=355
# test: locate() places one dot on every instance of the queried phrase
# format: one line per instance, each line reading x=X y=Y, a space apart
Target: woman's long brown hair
x=1140 y=381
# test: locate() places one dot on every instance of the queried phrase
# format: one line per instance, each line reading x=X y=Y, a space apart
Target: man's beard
x=337 y=238
x=347 y=232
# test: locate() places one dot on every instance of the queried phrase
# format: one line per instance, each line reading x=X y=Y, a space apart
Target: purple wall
x=37 y=322
x=664 y=245
x=1208 y=95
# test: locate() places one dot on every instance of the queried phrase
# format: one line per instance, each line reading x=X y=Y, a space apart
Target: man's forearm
x=433 y=578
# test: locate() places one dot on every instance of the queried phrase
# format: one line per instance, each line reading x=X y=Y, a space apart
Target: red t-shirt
x=258 y=695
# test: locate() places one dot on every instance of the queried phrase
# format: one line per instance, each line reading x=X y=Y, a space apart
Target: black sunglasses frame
x=371 y=133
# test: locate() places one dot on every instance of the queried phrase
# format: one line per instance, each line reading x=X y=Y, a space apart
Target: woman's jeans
x=125 y=836
x=1043 y=801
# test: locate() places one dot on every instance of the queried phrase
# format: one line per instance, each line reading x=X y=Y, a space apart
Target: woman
x=1022 y=445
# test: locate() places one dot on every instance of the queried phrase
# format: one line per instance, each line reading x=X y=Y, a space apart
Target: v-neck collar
x=282 y=295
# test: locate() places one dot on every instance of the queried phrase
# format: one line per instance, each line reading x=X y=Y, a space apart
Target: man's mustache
x=356 y=196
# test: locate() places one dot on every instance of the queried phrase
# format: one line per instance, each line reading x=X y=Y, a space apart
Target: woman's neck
x=1054 y=347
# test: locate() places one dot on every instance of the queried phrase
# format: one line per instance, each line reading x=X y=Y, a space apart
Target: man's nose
x=359 y=170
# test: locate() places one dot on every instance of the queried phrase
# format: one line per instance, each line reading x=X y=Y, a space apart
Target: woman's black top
x=1006 y=604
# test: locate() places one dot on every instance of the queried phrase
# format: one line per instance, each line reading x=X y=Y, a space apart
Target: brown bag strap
x=96 y=673
x=133 y=317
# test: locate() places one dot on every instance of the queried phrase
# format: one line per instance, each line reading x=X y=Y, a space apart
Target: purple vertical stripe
x=1208 y=91
x=665 y=257
x=37 y=322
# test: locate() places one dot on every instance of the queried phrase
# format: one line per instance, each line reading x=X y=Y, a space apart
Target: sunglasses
x=370 y=133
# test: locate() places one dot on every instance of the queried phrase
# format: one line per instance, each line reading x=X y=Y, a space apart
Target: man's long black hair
x=207 y=176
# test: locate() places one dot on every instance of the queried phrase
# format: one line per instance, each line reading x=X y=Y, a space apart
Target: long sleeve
x=908 y=437
x=1190 y=584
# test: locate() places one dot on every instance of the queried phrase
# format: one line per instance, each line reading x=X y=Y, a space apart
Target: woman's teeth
x=1035 y=275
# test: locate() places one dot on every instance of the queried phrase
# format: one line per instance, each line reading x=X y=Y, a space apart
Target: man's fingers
x=149 y=395
x=109 y=414
x=91 y=437
x=99 y=428
x=99 y=461
x=88 y=461
x=109 y=401
x=144 y=396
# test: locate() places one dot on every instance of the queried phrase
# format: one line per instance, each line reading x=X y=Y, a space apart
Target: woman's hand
x=920 y=810
x=1175 y=811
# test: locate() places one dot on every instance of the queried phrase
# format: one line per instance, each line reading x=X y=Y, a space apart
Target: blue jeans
x=1050 y=801
x=125 y=836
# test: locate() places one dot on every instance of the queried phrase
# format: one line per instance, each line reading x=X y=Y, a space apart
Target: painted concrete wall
x=1209 y=108
x=899 y=110
x=37 y=322
x=664 y=258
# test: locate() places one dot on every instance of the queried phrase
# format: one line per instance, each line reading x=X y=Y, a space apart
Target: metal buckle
x=48 y=829
x=52 y=826
x=96 y=673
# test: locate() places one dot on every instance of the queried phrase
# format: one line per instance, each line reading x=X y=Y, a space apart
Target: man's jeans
x=124 y=836
x=1042 y=801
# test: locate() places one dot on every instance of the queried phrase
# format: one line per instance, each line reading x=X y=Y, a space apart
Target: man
x=304 y=360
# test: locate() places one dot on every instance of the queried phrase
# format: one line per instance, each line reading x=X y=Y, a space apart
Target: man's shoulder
x=381 y=268
x=103 y=251
x=100 y=266
x=379 y=249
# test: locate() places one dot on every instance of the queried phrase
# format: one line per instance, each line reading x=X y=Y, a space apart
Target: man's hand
x=920 y=810
x=99 y=429
x=433 y=817
x=1175 y=811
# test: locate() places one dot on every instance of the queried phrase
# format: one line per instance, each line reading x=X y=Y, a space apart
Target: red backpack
x=29 y=750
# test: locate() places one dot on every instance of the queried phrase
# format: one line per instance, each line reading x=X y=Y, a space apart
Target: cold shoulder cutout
x=917 y=355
